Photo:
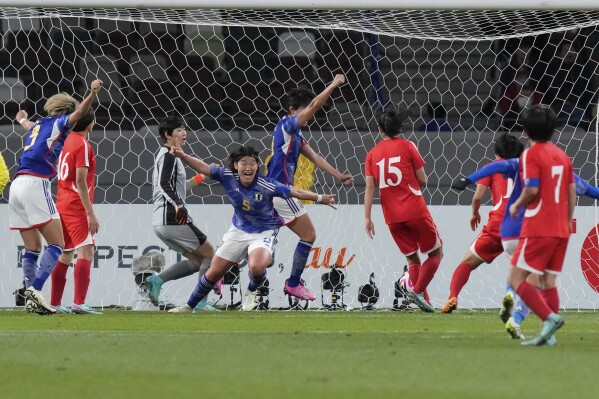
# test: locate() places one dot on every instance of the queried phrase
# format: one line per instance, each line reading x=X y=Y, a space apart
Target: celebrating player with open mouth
x=256 y=223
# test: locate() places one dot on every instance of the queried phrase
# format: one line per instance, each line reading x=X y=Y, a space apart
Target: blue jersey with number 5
x=43 y=145
x=254 y=210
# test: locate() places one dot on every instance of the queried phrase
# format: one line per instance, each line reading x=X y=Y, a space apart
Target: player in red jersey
x=396 y=167
x=76 y=171
x=487 y=246
x=549 y=198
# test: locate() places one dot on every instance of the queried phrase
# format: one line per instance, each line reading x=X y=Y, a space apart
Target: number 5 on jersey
x=387 y=168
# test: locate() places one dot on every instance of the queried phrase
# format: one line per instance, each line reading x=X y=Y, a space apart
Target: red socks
x=552 y=298
x=459 y=279
x=534 y=299
x=59 y=279
x=426 y=273
x=82 y=272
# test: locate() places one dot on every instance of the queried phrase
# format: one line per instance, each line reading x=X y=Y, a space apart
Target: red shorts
x=540 y=254
x=487 y=246
x=416 y=234
x=75 y=231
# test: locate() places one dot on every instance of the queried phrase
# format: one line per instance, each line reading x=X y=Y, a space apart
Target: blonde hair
x=60 y=104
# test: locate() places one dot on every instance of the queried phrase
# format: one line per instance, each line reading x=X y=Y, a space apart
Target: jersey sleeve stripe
x=86 y=150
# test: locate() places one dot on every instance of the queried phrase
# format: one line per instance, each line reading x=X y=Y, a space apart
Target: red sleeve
x=530 y=168
x=81 y=155
x=367 y=165
x=417 y=161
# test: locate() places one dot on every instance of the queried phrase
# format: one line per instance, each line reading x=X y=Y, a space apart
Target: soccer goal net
x=465 y=76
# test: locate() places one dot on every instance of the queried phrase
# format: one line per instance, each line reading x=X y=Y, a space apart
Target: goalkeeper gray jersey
x=169 y=185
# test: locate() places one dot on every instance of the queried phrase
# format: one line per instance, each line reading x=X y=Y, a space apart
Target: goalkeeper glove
x=461 y=184
x=182 y=214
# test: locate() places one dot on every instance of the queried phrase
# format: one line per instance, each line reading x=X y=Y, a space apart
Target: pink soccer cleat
x=299 y=292
x=218 y=287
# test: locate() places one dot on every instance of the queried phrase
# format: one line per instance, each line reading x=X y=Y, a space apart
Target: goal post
x=225 y=67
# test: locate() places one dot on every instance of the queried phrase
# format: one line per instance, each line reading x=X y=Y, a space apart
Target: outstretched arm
x=508 y=168
x=318 y=101
x=195 y=163
x=322 y=164
x=83 y=107
x=327 y=199
x=584 y=188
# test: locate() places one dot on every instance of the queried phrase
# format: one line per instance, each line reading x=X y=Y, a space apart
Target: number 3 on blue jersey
x=34 y=132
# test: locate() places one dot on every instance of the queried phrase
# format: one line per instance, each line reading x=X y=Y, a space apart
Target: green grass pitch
x=308 y=355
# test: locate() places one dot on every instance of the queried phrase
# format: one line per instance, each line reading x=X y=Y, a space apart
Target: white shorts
x=289 y=209
x=237 y=244
x=30 y=203
x=509 y=246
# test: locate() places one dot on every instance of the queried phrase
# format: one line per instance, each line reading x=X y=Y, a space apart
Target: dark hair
x=391 y=121
x=300 y=97
x=239 y=153
x=539 y=122
x=85 y=121
x=169 y=124
x=436 y=110
x=508 y=146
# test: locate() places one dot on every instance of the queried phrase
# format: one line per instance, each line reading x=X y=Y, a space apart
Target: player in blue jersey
x=30 y=206
x=255 y=221
x=510 y=233
x=287 y=145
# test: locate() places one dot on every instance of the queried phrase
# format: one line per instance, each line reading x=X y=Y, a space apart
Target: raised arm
x=83 y=107
x=322 y=164
x=307 y=113
x=23 y=119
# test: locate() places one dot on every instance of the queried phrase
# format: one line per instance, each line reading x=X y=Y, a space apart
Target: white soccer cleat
x=84 y=309
x=37 y=302
x=249 y=301
x=182 y=309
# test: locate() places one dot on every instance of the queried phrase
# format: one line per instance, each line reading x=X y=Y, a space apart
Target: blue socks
x=47 y=263
x=29 y=262
x=521 y=311
x=256 y=281
x=300 y=258
x=201 y=290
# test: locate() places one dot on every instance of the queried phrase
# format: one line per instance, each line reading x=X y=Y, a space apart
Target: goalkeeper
x=171 y=220
x=510 y=232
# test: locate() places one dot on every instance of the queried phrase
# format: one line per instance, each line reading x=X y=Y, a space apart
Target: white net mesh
x=226 y=72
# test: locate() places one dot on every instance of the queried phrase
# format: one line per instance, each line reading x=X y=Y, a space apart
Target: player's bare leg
x=460 y=277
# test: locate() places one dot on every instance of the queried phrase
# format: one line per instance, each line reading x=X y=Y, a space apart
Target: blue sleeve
x=508 y=168
x=290 y=126
x=217 y=173
x=62 y=124
x=281 y=190
x=583 y=188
